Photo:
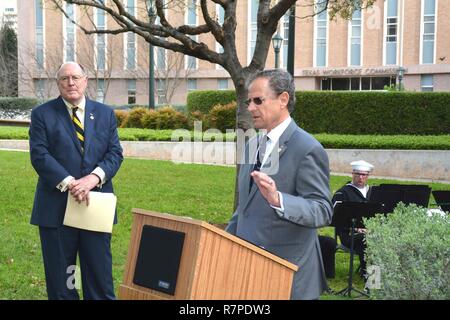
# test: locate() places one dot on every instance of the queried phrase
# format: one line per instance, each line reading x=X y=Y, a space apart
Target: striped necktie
x=78 y=127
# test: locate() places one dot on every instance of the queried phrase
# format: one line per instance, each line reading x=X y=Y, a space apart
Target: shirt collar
x=275 y=134
x=81 y=105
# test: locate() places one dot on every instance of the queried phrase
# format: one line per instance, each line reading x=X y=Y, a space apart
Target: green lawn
x=200 y=191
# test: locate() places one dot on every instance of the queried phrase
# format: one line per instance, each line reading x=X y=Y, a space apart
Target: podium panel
x=213 y=264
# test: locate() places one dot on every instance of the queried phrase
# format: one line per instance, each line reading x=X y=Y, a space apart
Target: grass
x=339 y=141
x=200 y=191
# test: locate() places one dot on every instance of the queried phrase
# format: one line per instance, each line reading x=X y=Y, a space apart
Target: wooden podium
x=214 y=265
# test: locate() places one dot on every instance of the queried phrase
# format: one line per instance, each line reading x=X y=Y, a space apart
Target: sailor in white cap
x=360 y=173
x=356 y=191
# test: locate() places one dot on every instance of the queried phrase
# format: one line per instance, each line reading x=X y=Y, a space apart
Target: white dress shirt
x=273 y=137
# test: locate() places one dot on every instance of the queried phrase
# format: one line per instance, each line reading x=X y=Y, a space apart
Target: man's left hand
x=267 y=187
x=80 y=188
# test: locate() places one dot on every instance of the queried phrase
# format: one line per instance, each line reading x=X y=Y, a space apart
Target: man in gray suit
x=284 y=191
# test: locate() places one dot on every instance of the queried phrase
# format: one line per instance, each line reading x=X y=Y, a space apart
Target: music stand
x=442 y=198
x=389 y=197
x=349 y=215
x=412 y=193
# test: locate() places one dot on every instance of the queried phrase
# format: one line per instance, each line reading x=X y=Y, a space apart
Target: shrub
x=204 y=100
x=122 y=118
x=135 y=117
x=198 y=116
x=412 y=250
x=18 y=103
x=164 y=118
x=223 y=117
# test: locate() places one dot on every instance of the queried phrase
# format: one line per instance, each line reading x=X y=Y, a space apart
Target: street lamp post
x=400 y=74
x=151 y=63
x=277 y=41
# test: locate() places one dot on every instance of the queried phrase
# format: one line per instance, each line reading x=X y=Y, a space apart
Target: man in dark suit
x=286 y=195
x=74 y=148
x=355 y=191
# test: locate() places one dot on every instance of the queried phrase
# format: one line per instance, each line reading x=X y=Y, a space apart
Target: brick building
x=364 y=53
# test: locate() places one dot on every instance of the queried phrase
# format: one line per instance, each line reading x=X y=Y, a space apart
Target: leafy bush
x=223 y=117
x=204 y=100
x=18 y=103
x=135 y=117
x=198 y=116
x=122 y=118
x=164 y=118
x=412 y=250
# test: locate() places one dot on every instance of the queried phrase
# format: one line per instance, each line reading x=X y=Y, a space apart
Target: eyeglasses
x=75 y=78
x=362 y=174
x=256 y=100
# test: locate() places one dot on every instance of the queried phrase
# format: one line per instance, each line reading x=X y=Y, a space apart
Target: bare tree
x=170 y=71
x=8 y=61
x=182 y=38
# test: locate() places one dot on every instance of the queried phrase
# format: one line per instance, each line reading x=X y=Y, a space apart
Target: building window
x=191 y=84
x=391 y=32
x=355 y=84
x=355 y=38
x=39 y=88
x=100 y=46
x=69 y=33
x=100 y=90
x=222 y=84
x=130 y=40
x=426 y=82
x=131 y=91
x=161 y=89
x=285 y=35
x=191 y=20
x=428 y=30
x=39 y=34
x=321 y=25
x=254 y=5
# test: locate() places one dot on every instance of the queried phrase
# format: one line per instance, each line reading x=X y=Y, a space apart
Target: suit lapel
x=89 y=118
x=64 y=117
x=277 y=152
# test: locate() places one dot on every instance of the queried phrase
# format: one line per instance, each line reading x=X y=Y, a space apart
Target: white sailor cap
x=361 y=165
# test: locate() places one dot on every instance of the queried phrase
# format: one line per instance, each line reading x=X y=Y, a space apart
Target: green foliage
x=412 y=250
x=401 y=142
x=135 y=117
x=379 y=113
x=121 y=116
x=330 y=141
x=223 y=117
x=18 y=103
x=204 y=100
x=421 y=113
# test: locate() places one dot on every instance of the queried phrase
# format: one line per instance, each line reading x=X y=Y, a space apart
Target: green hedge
x=204 y=100
x=374 y=112
x=18 y=103
x=329 y=141
x=420 y=113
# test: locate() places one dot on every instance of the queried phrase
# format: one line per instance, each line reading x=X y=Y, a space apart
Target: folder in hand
x=98 y=216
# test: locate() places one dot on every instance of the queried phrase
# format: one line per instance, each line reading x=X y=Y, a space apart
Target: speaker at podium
x=179 y=258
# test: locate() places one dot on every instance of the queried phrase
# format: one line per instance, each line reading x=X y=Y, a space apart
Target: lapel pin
x=91 y=116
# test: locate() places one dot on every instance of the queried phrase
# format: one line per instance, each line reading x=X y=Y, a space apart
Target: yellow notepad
x=98 y=216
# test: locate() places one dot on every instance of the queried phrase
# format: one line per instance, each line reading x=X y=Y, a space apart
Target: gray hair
x=70 y=62
x=279 y=81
